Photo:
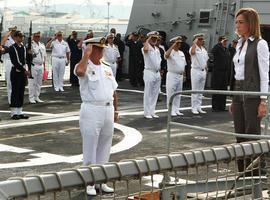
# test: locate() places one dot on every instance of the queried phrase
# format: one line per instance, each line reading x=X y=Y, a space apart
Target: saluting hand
x=88 y=50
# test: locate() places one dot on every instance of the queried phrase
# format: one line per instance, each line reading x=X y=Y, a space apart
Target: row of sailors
x=176 y=63
x=60 y=57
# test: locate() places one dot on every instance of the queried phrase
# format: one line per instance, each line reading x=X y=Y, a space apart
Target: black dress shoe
x=15 y=117
x=23 y=117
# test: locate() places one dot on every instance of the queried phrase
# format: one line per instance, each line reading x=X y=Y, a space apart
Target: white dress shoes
x=195 y=112
x=61 y=89
x=32 y=101
x=155 y=116
x=90 y=190
x=148 y=116
x=201 y=111
x=105 y=188
x=39 y=100
x=179 y=113
x=173 y=114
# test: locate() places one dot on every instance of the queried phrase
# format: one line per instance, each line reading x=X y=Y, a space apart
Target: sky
x=20 y=3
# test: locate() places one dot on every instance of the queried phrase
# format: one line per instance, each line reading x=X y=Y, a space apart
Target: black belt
x=180 y=73
x=199 y=69
x=61 y=57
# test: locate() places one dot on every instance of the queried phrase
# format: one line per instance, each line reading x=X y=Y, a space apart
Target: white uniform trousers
x=35 y=83
x=58 y=67
x=96 y=126
x=8 y=66
x=114 y=68
x=152 y=82
x=198 y=78
x=174 y=83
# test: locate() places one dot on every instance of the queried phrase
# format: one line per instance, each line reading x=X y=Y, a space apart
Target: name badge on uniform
x=108 y=73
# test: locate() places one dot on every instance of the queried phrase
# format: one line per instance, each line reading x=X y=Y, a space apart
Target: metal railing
x=208 y=130
x=210 y=173
x=188 y=165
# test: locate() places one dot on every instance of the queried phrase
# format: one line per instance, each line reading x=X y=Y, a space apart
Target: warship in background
x=188 y=17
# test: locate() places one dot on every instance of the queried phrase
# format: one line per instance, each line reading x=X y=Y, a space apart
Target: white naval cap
x=110 y=35
x=177 y=38
x=96 y=41
x=153 y=34
x=198 y=35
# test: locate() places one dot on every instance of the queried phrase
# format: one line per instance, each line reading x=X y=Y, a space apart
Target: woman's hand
x=262 y=109
x=231 y=108
x=116 y=116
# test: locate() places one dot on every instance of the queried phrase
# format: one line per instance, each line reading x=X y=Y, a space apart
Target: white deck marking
x=7 y=148
x=131 y=138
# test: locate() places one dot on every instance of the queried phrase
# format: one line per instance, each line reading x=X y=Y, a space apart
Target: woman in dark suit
x=249 y=73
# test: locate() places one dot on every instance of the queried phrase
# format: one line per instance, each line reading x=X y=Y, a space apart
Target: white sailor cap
x=59 y=33
x=13 y=28
x=110 y=35
x=198 y=35
x=177 y=38
x=153 y=34
x=96 y=41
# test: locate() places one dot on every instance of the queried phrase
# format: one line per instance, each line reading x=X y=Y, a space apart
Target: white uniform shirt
x=263 y=61
x=98 y=84
x=111 y=54
x=176 y=62
x=39 y=52
x=59 y=49
x=8 y=43
x=200 y=58
x=152 y=58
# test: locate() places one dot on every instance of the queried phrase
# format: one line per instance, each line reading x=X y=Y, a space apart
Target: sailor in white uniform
x=199 y=58
x=7 y=41
x=151 y=76
x=39 y=56
x=176 y=63
x=111 y=53
x=98 y=108
x=60 y=59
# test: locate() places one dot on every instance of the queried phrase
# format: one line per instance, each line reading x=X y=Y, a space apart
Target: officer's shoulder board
x=105 y=63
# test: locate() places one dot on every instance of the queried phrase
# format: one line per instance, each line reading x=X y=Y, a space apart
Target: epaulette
x=105 y=63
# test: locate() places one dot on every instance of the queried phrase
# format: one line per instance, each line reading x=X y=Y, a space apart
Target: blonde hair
x=252 y=18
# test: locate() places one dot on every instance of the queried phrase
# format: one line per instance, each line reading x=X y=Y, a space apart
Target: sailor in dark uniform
x=221 y=66
x=17 y=53
x=75 y=57
x=134 y=58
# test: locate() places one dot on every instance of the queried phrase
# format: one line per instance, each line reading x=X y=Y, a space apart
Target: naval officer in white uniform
x=151 y=74
x=199 y=58
x=60 y=59
x=111 y=53
x=39 y=56
x=176 y=63
x=99 y=106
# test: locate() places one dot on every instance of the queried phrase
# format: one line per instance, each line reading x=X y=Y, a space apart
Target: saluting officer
x=176 y=63
x=7 y=41
x=199 y=58
x=111 y=53
x=17 y=53
x=39 y=56
x=151 y=77
x=98 y=108
x=60 y=59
